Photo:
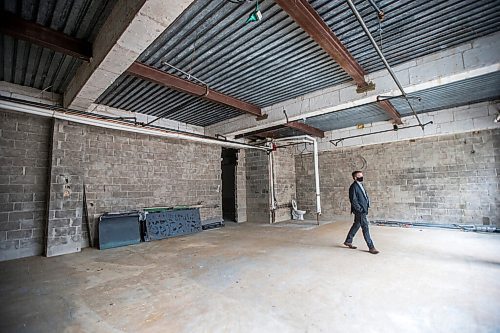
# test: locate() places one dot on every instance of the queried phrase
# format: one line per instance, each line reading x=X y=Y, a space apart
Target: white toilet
x=297 y=214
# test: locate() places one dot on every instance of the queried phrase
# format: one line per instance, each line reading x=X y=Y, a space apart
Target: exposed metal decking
x=273 y=60
x=30 y=65
x=469 y=91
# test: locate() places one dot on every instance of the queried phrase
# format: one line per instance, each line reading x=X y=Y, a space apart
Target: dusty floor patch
x=246 y=278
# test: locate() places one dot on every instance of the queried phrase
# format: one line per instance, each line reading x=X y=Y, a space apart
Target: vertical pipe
x=271 y=185
x=316 y=176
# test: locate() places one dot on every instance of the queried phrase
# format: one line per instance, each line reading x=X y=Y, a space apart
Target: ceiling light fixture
x=256 y=15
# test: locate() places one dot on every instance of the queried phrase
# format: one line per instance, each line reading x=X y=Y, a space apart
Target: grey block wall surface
x=257 y=173
x=444 y=179
x=284 y=189
x=241 y=187
x=44 y=168
x=64 y=225
x=24 y=145
x=126 y=171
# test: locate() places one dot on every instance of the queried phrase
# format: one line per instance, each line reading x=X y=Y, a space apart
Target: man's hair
x=354 y=173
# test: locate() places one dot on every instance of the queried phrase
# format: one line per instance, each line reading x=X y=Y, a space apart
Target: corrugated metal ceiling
x=274 y=60
x=474 y=90
x=30 y=65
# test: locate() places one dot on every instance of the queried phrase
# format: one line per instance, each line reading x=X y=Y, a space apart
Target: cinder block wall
x=284 y=184
x=257 y=173
x=241 y=187
x=24 y=142
x=124 y=171
x=43 y=169
x=443 y=179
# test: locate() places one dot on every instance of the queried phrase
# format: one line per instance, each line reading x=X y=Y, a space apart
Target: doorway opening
x=229 y=161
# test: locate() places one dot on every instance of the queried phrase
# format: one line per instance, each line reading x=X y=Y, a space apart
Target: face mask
x=359 y=179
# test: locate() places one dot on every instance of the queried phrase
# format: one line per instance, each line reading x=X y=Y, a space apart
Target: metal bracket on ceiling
x=336 y=142
x=262 y=117
x=369 y=87
x=286 y=116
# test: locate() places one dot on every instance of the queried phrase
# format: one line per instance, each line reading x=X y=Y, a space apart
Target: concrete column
x=130 y=28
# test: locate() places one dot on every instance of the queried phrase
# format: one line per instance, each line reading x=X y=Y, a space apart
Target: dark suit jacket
x=359 y=202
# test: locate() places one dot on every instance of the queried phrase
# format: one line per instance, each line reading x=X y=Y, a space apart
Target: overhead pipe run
x=336 y=142
x=382 y=57
x=123 y=124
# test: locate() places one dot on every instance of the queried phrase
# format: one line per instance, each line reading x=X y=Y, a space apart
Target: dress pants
x=360 y=220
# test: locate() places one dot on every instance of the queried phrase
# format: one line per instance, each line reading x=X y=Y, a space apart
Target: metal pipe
x=316 y=176
x=380 y=13
x=189 y=76
x=335 y=142
x=381 y=55
x=455 y=226
x=94 y=120
x=271 y=186
x=314 y=142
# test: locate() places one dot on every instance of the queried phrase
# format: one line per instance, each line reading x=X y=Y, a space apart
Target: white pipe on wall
x=316 y=176
x=314 y=142
x=271 y=185
x=86 y=120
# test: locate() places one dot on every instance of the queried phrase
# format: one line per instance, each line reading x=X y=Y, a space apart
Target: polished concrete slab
x=261 y=278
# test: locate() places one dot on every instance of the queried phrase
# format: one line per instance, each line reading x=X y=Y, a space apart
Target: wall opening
x=228 y=167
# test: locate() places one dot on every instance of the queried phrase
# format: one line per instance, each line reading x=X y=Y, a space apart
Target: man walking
x=359 y=207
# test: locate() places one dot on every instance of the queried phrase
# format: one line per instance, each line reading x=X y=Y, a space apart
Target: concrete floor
x=261 y=278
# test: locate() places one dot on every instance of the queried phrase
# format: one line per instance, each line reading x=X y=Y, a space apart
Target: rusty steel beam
x=304 y=128
x=16 y=27
x=267 y=134
x=391 y=111
x=312 y=23
x=160 y=77
x=260 y=131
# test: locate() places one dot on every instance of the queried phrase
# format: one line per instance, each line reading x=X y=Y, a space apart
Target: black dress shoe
x=349 y=245
x=374 y=251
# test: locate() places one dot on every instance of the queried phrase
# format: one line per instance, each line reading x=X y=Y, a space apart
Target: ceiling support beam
x=312 y=23
x=262 y=131
x=160 y=77
x=304 y=128
x=16 y=27
x=391 y=111
x=128 y=30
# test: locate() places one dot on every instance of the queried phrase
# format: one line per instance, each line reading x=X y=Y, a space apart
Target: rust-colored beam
x=157 y=76
x=263 y=131
x=312 y=23
x=391 y=111
x=304 y=128
x=16 y=27
x=267 y=134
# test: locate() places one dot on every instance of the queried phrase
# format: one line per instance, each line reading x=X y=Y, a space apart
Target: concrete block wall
x=257 y=176
x=124 y=171
x=45 y=163
x=284 y=183
x=241 y=187
x=65 y=209
x=127 y=171
x=440 y=179
x=24 y=142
